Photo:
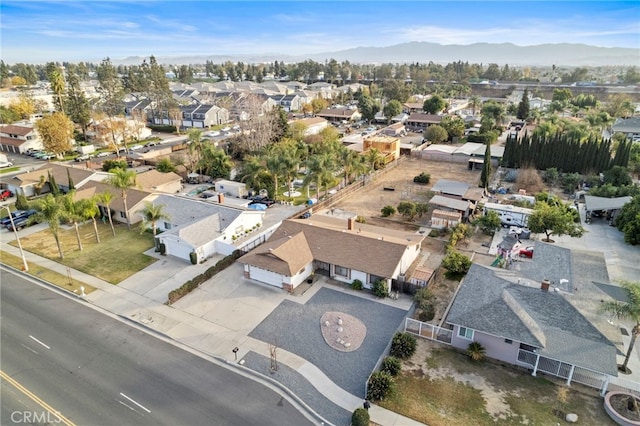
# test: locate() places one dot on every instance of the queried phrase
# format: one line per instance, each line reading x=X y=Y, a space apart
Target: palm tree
x=214 y=162
x=375 y=158
x=123 y=180
x=273 y=164
x=194 y=150
x=151 y=214
x=254 y=172
x=475 y=102
x=319 y=170
x=88 y=209
x=105 y=198
x=476 y=351
x=51 y=210
x=628 y=310
x=72 y=212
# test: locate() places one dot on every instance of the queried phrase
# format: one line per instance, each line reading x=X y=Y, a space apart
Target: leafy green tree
x=109 y=165
x=215 y=162
x=165 y=166
x=74 y=214
x=407 y=209
x=628 y=310
x=122 y=180
x=436 y=134
x=391 y=109
x=618 y=176
x=426 y=302
x=494 y=111
x=456 y=263
x=77 y=103
x=551 y=175
x=51 y=210
x=53 y=186
x=489 y=222
x=563 y=96
x=368 y=107
x=554 y=220
x=110 y=88
x=434 y=104
x=56 y=79
x=88 y=209
x=21 y=201
x=70 y=183
x=454 y=125
x=628 y=221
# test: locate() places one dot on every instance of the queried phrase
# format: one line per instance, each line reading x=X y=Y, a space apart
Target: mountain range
x=560 y=54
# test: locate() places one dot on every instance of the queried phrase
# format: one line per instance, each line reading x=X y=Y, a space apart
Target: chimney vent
x=544 y=285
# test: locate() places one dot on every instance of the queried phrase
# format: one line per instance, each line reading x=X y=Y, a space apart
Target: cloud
x=171 y=23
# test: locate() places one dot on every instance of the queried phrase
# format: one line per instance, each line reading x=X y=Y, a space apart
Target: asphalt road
x=96 y=370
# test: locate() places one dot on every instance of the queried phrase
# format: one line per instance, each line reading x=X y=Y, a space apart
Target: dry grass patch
x=113 y=259
x=48 y=275
x=530 y=180
x=440 y=386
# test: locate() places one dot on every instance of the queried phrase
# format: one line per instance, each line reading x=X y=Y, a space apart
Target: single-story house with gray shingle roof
x=630 y=127
x=201 y=227
x=450 y=187
x=342 y=249
x=547 y=307
x=452 y=204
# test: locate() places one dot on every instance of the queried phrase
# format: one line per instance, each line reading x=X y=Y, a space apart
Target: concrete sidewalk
x=213 y=319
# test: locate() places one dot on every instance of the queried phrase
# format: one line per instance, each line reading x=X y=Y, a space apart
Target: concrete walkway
x=214 y=319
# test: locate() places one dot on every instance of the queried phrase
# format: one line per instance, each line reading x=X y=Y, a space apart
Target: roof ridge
x=524 y=316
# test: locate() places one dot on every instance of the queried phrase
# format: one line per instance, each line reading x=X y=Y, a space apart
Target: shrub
x=109 y=165
x=570 y=182
x=361 y=219
x=388 y=211
x=530 y=180
x=422 y=178
x=426 y=302
x=162 y=128
x=21 y=201
x=403 y=345
x=456 y=264
x=551 y=176
x=380 y=289
x=380 y=386
x=165 y=166
x=360 y=417
x=356 y=285
x=476 y=351
x=489 y=223
x=391 y=365
x=434 y=233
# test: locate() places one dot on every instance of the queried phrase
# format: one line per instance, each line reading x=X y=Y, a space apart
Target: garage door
x=266 y=277
x=179 y=250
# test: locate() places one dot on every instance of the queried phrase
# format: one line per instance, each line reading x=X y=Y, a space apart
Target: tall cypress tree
x=71 y=185
x=53 y=186
x=486 y=167
x=523 y=106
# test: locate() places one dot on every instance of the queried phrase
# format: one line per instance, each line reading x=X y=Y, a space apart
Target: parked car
x=5 y=194
x=266 y=201
x=83 y=157
x=5 y=164
x=526 y=252
x=18 y=224
x=135 y=147
x=103 y=154
x=149 y=144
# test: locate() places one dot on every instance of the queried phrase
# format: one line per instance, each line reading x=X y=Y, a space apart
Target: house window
x=374 y=278
x=508 y=341
x=465 y=333
x=167 y=225
x=122 y=215
x=342 y=271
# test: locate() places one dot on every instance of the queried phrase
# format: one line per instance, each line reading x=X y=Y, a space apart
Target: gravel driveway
x=296 y=328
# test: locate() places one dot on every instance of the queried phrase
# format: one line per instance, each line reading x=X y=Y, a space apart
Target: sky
x=68 y=30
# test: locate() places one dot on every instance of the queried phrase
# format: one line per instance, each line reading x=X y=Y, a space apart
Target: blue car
x=17 y=215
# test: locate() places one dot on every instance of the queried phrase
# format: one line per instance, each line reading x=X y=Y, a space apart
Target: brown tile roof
x=11 y=141
x=285 y=256
x=310 y=121
x=134 y=196
x=59 y=173
x=337 y=112
x=364 y=248
x=16 y=130
x=152 y=178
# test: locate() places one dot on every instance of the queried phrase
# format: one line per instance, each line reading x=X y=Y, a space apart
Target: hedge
x=194 y=283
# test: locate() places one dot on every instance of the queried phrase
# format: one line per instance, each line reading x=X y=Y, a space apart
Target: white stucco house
x=202 y=227
x=337 y=247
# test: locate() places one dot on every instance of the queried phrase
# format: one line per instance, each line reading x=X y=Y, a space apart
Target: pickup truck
x=17 y=215
x=19 y=223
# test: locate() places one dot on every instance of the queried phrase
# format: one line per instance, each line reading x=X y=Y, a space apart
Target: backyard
x=113 y=259
x=440 y=386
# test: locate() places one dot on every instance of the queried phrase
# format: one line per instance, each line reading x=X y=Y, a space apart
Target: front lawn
x=440 y=386
x=113 y=260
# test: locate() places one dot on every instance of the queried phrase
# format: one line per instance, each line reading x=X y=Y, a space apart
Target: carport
x=601 y=206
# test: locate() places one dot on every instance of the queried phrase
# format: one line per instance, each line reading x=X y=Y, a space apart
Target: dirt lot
x=368 y=201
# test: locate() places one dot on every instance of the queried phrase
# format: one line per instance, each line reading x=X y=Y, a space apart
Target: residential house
x=37 y=181
x=204 y=228
x=388 y=146
x=313 y=125
x=395 y=129
x=202 y=116
x=338 y=115
x=450 y=188
x=135 y=201
x=540 y=312
x=413 y=107
x=420 y=121
x=341 y=248
x=155 y=181
x=450 y=204
x=630 y=127
x=17 y=139
x=288 y=102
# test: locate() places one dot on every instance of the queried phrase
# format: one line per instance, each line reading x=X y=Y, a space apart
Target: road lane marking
x=28 y=348
x=36 y=340
x=27 y=392
x=139 y=405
